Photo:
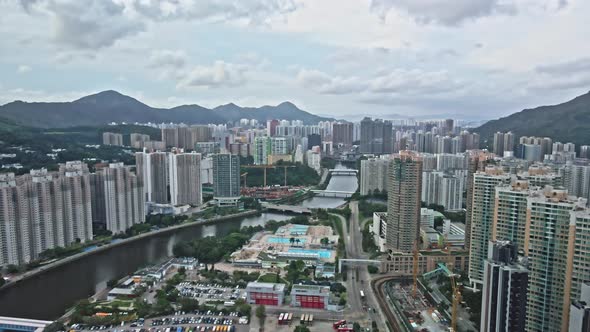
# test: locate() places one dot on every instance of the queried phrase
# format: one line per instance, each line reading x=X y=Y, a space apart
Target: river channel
x=48 y=294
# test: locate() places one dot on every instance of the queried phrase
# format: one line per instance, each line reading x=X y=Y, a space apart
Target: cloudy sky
x=475 y=59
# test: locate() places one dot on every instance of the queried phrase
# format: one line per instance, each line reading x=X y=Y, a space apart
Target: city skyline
x=470 y=75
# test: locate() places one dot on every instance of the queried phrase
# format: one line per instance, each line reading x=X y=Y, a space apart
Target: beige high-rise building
x=556 y=242
x=404 y=198
x=15 y=244
x=42 y=210
x=118 y=198
x=152 y=170
x=45 y=210
x=185 y=178
x=112 y=139
x=482 y=219
x=138 y=140
x=374 y=175
x=510 y=214
x=76 y=186
x=170 y=137
x=476 y=161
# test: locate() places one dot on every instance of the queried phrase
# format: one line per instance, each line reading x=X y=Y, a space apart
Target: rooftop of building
x=269 y=286
x=317 y=288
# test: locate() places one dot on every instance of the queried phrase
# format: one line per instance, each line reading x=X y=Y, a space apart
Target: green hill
x=567 y=122
x=111 y=106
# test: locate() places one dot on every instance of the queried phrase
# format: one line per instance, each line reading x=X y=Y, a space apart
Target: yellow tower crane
x=265 y=167
x=456 y=295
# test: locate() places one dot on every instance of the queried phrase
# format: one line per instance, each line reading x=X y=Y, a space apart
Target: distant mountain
x=112 y=106
x=567 y=122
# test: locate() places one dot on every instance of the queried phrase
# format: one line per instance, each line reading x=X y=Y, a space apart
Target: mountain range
x=566 y=122
x=112 y=106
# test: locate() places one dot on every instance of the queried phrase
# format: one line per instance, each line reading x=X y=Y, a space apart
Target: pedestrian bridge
x=286 y=208
x=343 y=171
x=357 y=262
x=332 y=193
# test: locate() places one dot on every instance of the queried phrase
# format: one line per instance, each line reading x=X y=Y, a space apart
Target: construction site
x=426 y=301
x=273 y=193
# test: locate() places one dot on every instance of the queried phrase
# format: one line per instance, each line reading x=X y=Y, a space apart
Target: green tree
x=301 y=328
x=11 y=268
x=142 y=309
x=244 y=309
x=325 y=241
x=372 y=269
x=356 y=327
x=342 y=301
x=261 y=314
x=189 y=305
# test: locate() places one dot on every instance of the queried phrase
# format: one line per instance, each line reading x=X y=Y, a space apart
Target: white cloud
x=168 y=58
x=326 y=84
x=24 y=69
x=95 y=24
x=86 y=24
x=414 y=81
x=220 y=74
x=443 y=12
x=251 y=11
x=568 y=67
x=398 y=81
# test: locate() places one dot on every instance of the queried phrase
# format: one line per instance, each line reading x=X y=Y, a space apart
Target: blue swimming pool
x=324 y=254
x=283 y=240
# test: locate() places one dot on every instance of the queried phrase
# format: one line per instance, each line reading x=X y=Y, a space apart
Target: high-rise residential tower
x=498 y=144
x=559 y=257
x=117 y=198
x=342 y=133
x=151 y=168
x=374 y=175
x=226 y=179
x=185 y=178
x=262 y=149
x=376 y=136
x=403 y=204
x=482 y=218
x=112 y=139
x=504 y=292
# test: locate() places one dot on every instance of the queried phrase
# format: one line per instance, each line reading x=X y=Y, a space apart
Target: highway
x=358 y=277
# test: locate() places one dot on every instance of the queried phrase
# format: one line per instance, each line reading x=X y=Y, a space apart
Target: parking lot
x=205 y=291
x=179 y=322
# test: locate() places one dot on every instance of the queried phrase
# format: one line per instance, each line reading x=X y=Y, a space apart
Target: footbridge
x=342 y=171
x=332 y=193
x=357 y=262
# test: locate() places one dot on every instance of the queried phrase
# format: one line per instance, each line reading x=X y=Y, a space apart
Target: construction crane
x=265 y=167
x=415 y=288
x=456 y=292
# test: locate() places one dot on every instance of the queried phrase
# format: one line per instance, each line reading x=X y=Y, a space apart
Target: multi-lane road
x=358 y=278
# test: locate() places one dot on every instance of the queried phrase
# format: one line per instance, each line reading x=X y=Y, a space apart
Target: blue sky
x=475 y=59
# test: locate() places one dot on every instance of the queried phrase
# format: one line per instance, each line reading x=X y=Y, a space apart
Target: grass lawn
x=272 y=278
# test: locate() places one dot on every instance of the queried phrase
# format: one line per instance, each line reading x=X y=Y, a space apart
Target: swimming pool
x=282 y=240
x=324 y=254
